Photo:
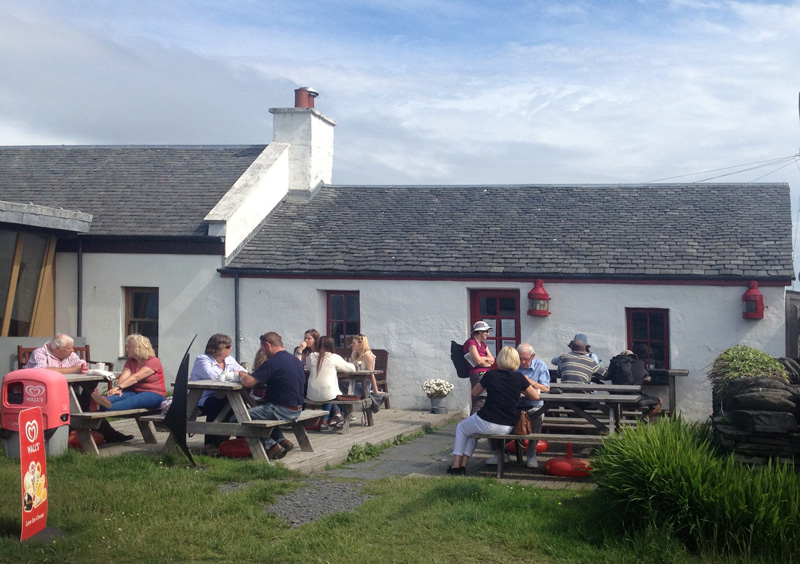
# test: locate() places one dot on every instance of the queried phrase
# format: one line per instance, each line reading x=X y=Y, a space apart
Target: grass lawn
x=138 y=508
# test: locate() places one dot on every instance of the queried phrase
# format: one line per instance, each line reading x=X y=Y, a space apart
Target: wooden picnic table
x=363 y=376
x=239 y=399
x=84 y=422
x=608 y=403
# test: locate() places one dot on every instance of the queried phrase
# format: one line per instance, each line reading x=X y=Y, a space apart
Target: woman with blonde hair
x=363 y=357
x=141 y=384
x=499 y=413
x=323 y=383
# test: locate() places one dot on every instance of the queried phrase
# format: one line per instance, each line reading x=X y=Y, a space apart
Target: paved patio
x=428 y=455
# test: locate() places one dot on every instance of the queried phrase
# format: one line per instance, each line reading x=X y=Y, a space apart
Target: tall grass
x=144 y=509
x=667 y=474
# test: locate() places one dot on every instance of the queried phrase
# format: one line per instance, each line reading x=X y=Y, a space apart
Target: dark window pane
x=337 y=306
x=351 y=312
x=351 y=328
x=639 y=329
x=489 y=306
x=658 y=357
x=336 y=333
x=508 y=307
x=657 y=326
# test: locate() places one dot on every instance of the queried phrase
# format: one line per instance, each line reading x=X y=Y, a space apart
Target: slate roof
x=652 y=231
x=134 y=190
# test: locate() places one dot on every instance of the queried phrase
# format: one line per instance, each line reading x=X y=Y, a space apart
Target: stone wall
x=759 y=418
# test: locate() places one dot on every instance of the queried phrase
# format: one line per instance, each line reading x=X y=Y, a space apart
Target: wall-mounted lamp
x=538 y=300
x=752 y=302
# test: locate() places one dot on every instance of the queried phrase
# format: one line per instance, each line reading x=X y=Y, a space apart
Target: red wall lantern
x=753 y=302
x=538 y=300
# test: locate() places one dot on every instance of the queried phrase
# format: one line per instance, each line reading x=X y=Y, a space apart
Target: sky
x=425 y=92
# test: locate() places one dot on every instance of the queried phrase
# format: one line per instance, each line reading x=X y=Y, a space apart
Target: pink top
x=43 y=358
x=483 y=350
x=154 y=382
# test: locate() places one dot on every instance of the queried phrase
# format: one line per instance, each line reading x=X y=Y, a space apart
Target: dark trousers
x=211 y=408
x=478 y=401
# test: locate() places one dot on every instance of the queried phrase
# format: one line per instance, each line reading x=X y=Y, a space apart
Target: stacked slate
x=758 y=419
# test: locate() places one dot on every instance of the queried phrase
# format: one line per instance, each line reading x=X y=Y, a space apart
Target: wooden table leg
x=237 y=403
x=302 y=436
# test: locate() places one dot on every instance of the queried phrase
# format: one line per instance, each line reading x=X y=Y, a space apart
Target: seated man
x=285 y=378
x=59 y=355
x=577 y=365
x=628 y=368
x=535 y=370
x=585 y=340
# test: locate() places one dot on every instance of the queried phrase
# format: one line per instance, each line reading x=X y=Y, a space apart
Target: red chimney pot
x=304 y=97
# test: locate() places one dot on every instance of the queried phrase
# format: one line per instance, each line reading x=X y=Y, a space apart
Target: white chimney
x=310 y=136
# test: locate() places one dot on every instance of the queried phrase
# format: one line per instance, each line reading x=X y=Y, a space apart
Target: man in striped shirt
x=577 y=365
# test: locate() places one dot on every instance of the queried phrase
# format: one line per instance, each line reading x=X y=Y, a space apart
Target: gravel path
x=318 y=497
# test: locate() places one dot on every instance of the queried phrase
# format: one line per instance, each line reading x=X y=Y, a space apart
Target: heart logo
x=31 y=430
x=35 y=390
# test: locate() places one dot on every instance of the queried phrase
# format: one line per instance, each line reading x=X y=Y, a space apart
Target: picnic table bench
x=348 y=406
x=238 y=400
x=85 y=421
x=500 y=443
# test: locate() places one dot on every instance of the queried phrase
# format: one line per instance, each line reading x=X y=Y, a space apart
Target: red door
x=500 y=309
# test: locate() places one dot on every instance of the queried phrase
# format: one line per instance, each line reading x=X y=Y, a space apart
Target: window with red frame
x=648 y=335
x=500 y=309
x=344 y=317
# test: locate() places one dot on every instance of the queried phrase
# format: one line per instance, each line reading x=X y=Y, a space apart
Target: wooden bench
x=347 y=407
x=84 y=423
x=254 y=430
x=550 y=437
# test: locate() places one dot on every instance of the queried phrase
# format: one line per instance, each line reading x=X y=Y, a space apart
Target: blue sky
x=436 y=92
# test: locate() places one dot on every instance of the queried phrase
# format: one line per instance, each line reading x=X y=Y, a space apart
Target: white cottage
x=178 y=241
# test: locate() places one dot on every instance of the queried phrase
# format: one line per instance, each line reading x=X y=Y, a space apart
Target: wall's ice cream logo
x=35 y=393
x=31 y=430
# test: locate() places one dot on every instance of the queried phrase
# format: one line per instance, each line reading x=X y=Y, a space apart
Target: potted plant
x=436 y=389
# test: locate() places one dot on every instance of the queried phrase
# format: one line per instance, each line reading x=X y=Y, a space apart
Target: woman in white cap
x=480 y=358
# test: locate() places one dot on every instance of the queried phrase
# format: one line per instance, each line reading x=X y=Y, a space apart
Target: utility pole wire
x=760 y=163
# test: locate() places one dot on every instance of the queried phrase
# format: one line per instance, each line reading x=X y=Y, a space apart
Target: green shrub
x=667 y=474
x=745 y=362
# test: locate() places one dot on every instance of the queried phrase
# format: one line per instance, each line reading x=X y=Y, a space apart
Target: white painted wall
x=415 y=321
x=310 y=136
x=262 y=186
x=193 y=299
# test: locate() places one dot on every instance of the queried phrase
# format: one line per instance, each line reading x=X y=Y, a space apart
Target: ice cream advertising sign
x=33 y=467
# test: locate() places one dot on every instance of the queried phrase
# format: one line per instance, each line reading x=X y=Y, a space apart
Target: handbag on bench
x=523 y=426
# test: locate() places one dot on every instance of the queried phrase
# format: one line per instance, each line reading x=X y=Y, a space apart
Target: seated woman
x=499 y=413
x=363 y=358
x=323 y=384
x=308 y=346
x=211 y=365
x=141 y=384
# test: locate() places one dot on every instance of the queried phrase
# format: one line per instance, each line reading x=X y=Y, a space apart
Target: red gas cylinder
x=75 y=442
x=541 y=446
x=235 y=448
x=568 y=466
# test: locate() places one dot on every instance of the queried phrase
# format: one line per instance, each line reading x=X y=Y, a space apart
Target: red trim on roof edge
x=637 y=281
